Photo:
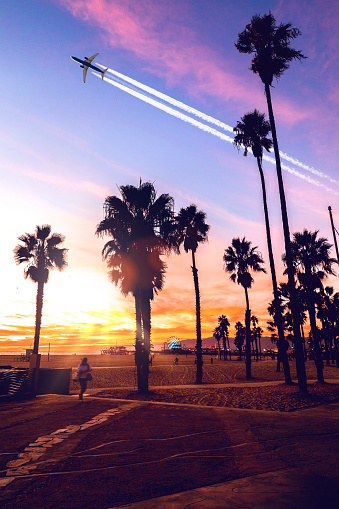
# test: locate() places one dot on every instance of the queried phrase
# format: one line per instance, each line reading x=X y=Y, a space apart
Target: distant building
x=115 y=350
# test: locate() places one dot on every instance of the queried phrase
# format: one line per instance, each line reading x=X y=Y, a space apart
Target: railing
x=15 y=381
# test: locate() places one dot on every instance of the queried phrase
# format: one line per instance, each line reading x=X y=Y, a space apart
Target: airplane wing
x=85 y=73
x=91 y=58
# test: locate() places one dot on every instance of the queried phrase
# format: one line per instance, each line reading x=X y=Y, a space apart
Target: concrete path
x=58 y=452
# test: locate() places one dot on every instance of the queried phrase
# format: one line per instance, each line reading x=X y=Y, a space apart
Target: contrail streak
x=171 y=100
x=306 y=167
x=203 y=127
x=300 y=175
x=168 y=109
x=208 y=118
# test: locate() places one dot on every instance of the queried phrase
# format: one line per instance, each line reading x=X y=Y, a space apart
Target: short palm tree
x=272 y=57
x=192 y=230
x=239 y=337
x=313 y=263
x=217 y=334
x=329 y=313
x=254 y=320
x=224 y=325
x=141 y=227
x=41 y=252
x=252 y=133
x=240 y=259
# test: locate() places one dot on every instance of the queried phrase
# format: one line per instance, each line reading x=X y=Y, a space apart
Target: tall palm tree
x=252 y=132
x=142 y=229
x=239 y=259
x=192 y=230
x=41 y=252
x=272 y=57
x=313 y=263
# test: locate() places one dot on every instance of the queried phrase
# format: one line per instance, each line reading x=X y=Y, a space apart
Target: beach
x=224 y=382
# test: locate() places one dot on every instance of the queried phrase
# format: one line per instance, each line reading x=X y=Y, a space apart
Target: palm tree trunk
x=303 y=340
x=138 y=340
x=146 y=325
x=38 y=315
x=282 y=352
x=138 y=329
x=315 y=333
x=198 y=323
x=225 y=348
x=248 y=338
x=300 y=362
x=256 y=347
x=219 y=352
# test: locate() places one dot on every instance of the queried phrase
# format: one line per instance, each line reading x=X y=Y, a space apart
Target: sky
x=66 y=145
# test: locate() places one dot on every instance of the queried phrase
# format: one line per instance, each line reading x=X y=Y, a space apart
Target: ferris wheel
x=173 y=342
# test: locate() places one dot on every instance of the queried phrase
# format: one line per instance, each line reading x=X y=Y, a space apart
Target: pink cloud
x=158 y=35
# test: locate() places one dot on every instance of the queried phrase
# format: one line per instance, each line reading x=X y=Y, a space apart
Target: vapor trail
x=171 y=100
x=208 y=118
x=203 y=127
x=306 y=167
x=300 y=175
x=168 y=109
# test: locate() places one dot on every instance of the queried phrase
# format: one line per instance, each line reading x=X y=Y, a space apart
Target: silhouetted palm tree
x=224 y=325
x=217 y=334
x=272 y=56
x=41 y=253
x=313 y=263
x=192 y=230
x=252 y=133
x=329 y=315
x=335 y=304
x=254 y=320
x=239 y=337
x=239 y=259
x=141 y=227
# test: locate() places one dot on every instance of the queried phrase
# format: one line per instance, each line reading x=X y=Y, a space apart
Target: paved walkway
x=58 y=452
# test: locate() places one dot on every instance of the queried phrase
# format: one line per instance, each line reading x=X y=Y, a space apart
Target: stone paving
x=58 y=452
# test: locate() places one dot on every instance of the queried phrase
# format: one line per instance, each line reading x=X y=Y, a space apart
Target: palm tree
x=192 y=230
x=252 y=133
x=224 y=325
x=330 y=315
x=41 y=253
x=313 y=263
x=239 y=336
x=254 y=320
x=272 y=57
x=239 y=259
x=335 y=304
x=217 y=334
x=142 y=227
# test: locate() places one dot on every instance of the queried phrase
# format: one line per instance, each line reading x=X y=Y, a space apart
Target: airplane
x=88 y=63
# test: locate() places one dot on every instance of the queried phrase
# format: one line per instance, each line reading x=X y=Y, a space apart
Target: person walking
x=84 y=375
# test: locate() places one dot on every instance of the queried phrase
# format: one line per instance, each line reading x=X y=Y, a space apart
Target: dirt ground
x=115 y=376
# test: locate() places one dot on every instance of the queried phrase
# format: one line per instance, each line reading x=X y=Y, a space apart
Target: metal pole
x=333 y=231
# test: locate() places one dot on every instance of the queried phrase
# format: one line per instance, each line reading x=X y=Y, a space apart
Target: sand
x=116 y=376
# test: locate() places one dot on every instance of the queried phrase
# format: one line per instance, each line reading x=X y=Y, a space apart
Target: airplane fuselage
x=85 y=63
